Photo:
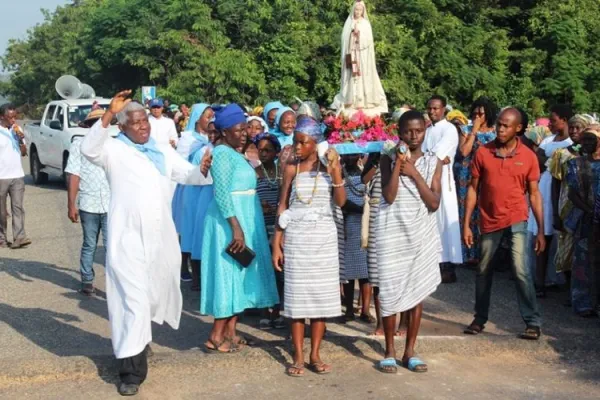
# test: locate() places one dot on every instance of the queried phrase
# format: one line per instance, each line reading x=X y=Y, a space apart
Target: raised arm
x=93 y=144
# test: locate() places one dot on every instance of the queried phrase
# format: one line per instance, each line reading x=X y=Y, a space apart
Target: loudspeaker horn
x=88 y=92
x=68 y=87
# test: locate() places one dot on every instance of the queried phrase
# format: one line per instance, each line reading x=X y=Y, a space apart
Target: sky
x=19 y=15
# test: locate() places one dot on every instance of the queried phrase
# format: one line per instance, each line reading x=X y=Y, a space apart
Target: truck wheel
x=39 y=177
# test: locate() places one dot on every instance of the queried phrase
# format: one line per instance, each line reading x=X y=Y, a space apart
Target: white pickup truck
x=50 y=139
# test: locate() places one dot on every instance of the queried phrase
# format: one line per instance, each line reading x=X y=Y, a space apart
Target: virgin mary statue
x=361 y=87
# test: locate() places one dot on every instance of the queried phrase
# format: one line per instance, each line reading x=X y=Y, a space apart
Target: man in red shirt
x=503 y=172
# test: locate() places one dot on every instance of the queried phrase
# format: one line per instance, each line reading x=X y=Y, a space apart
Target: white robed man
x=163 y=130
x=143 y=257
x=442 y=140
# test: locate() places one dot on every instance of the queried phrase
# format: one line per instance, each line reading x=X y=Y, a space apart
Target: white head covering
x=349 y=22
x=262 y=122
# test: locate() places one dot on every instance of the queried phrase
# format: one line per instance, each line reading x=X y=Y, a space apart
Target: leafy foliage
x=526 y=52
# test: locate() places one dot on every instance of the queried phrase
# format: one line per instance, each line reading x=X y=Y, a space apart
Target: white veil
x=348 y=27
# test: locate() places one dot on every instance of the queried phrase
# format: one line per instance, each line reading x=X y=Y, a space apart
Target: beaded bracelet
x=338 y=185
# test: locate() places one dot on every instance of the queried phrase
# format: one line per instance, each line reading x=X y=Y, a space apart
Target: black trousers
x=133 y=370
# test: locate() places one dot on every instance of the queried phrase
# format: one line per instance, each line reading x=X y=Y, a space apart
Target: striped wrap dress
x=312 y=270
x=374 y=190
x=408 y=245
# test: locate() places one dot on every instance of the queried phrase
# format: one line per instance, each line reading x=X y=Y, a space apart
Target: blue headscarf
x=149 y=149
x=197 y=111
x=13 y=138
x=195 y=150
x=309 y=126
x=267 y=136
x=284 y=139
x=268 y=108
x=229 y=116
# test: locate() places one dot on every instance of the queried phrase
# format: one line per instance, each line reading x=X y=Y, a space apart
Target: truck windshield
x=77 y=114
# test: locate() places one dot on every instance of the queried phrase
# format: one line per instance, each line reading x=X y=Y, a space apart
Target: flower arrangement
x=359 y=129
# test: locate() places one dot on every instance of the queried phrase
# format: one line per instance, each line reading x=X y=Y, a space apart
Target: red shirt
x=503 y=185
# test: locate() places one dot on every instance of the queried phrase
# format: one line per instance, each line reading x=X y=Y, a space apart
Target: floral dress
x=558 y=169
x=462 y=175
x=581 y=178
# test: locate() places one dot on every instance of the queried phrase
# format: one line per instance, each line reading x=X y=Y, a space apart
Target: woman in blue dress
x=483 y=115
x=183 y=199
x=234 y=221
x=198 y=205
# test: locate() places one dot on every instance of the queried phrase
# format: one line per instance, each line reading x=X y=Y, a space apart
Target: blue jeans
x=525 y=282
x=92 y=224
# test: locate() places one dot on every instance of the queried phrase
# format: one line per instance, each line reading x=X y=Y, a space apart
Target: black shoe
x=448 y=277
x=186 y=276
x=128 y=389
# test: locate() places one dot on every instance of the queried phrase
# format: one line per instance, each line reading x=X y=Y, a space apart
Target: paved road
x=55 y=343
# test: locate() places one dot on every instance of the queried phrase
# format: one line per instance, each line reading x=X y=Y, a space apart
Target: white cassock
x=163 y=130
x=143 y=255
x=442 y=140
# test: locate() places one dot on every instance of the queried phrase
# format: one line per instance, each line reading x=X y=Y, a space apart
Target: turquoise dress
x=228 y=288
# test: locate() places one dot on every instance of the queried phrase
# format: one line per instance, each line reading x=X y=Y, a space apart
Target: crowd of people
x=259 y=213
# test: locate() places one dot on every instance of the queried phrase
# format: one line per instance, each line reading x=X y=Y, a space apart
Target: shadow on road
x=53 y=183
x=53 y=332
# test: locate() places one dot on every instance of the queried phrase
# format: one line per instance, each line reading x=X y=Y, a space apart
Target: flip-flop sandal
x=298 y=368
x=233 y=348
x=531 y=333
x=474 y=329
x=320 y=368
x=415 y=364
x=388 y=366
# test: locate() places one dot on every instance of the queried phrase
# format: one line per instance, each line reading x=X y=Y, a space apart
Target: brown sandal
x=320 y=368
x=233 y=348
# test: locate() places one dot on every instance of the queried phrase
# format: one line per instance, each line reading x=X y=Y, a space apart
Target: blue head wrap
x=269 y=107
x=229 y=116
x=197 y=111
x=309 y=126
x=270 y=138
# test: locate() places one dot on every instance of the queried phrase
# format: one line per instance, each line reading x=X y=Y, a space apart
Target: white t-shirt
x=10 y=159
x=162 y=130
